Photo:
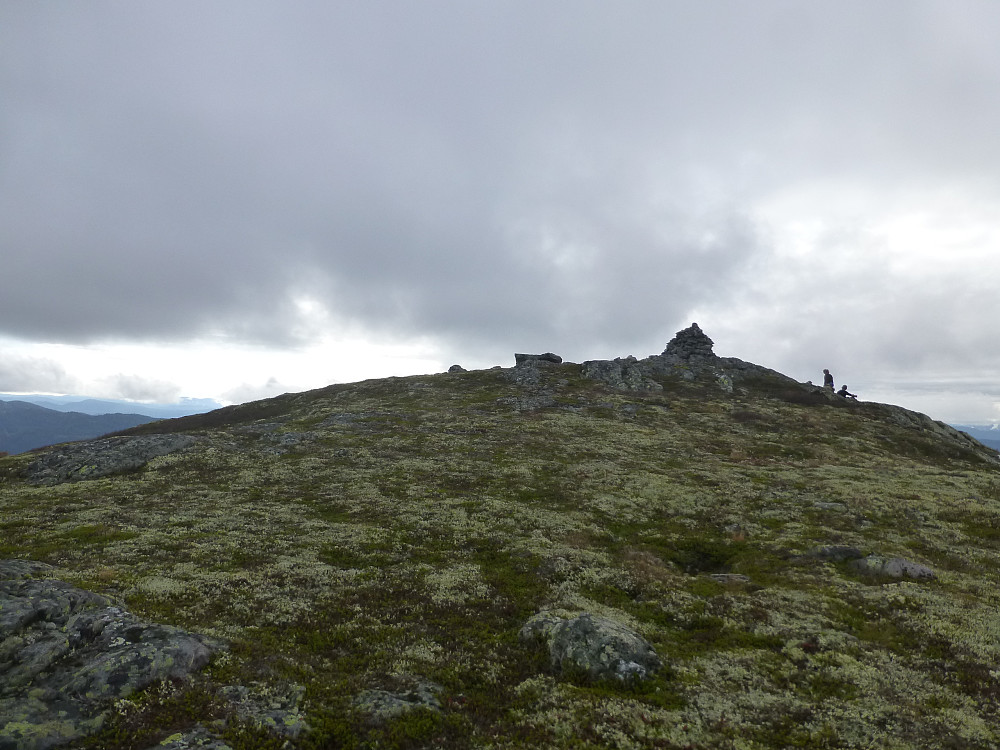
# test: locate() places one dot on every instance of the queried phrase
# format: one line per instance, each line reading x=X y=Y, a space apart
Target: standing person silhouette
x=827 y=380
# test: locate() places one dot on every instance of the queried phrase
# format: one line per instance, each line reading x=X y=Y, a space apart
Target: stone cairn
x=691 y=342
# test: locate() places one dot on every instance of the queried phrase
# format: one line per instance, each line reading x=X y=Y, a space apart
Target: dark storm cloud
x=508 y=172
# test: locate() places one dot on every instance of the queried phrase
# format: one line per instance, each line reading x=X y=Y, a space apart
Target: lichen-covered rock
x=381 y=706
x=602 y=648
x=892 y=567
x=90 y=459
x=197 y=739
x=67 y=654
x=276 y=708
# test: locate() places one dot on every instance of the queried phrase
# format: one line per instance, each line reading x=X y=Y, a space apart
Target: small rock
x=273 y=707
x=197 y=739
x=892 y=567
x=602 y=648
x=456 y=368
x=381 y=706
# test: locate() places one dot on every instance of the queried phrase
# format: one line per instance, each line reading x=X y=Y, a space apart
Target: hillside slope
x=809 y=571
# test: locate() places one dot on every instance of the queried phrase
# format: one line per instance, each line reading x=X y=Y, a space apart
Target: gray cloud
x=496 y=176
x=20 y=374
x=138 y=388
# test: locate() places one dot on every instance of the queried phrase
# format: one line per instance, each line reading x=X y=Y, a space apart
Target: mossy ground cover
x=414 y=524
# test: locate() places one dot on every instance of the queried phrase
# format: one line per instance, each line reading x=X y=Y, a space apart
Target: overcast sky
x=236 y=199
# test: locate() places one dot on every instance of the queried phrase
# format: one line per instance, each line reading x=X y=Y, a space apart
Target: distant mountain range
x=24 y=426
x=28 y=422
x=183 y=408
x=989 y=436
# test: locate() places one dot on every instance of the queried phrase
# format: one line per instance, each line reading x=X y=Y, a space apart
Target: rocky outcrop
x=626 y=374
x=601 y=648
x=67 y=654
x=689 y=356
x=90 y=459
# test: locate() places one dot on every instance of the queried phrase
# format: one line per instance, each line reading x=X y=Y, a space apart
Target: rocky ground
x=681 y=551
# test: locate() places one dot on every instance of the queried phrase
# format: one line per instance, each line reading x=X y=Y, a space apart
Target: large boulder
x=601 y=648
x=66 y=655
x=520 y=360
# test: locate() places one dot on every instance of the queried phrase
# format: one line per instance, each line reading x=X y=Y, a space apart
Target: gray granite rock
x=275 y=707
x=601 y=648
x=381 y=706
x=626 y=374
x=90 y=459
x=892 y=567
x=67 y=654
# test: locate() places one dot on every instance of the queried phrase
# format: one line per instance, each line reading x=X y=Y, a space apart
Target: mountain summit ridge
x=684 y=551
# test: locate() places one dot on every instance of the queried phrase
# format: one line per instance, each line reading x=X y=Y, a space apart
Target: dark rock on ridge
x=531 y=359
x=67 y=654
x=90 y=459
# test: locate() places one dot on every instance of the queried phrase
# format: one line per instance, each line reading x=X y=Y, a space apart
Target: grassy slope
x=414 y=537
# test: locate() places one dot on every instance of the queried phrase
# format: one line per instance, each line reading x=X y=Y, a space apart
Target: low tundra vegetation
x=366 y=536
